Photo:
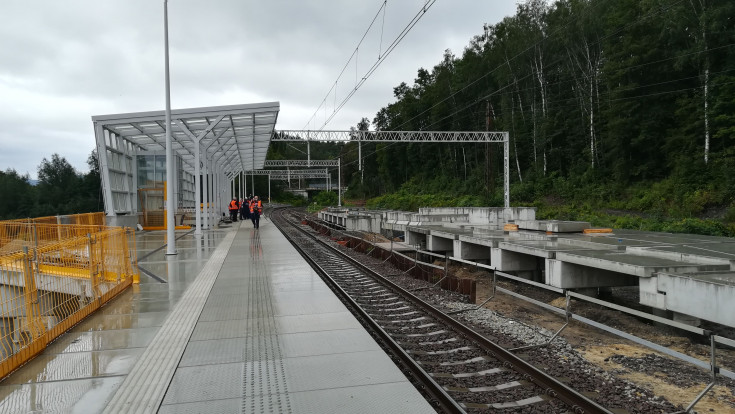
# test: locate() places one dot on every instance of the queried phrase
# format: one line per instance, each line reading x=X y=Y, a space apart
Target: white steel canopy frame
x=406 y=136
x=300 y=163
x=222 y=139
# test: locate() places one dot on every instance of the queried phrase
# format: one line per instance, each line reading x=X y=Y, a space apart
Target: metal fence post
x=93 y=274
x=33 y=310
x=35 y=250
x=446 y=264
x=58 y=227
x=714 y=369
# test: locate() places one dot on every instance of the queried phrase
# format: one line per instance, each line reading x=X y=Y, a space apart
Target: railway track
x=458 y=369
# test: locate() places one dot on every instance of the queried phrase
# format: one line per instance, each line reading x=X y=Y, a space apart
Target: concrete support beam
x=440 y=244
x=704 y=298
x=472 y=251
x=414 y=238
x=507 y=261
x=571 y=276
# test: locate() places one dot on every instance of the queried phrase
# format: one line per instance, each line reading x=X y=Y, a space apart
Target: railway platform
x=237 y=321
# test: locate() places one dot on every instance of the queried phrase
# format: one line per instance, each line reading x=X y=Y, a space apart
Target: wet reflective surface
x=83 y=368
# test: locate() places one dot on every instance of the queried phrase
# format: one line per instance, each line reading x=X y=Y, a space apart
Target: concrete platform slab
x=103 y=340
x=705 y=253
x=554 y=226
x=723 y=278
x=76 y=365
x=625 y=263
x=540 y=248
x=89 y=395
x=670 y=238
x=272 y=334
x=393 y=398
x=397 y=246
x=122 y=321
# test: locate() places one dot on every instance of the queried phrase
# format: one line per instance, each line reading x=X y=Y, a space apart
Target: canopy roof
x=237 y=136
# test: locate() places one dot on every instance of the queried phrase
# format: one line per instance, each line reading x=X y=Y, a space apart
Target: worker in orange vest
x=234 y=206
x=256 y=209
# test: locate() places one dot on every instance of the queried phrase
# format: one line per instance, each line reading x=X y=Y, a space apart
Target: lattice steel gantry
x=405 y=136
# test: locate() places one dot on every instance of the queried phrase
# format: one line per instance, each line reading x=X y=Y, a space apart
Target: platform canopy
x=235 y=138
x=240 y=133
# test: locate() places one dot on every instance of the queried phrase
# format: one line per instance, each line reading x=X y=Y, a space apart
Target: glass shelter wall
x=151 y=173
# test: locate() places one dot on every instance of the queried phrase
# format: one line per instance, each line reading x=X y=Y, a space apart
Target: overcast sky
x=63 y=61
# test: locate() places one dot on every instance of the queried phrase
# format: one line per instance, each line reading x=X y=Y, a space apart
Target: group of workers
x=248 y=208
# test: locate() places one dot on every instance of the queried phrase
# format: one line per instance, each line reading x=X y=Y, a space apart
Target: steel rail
x=428 y=385
x=578 y=402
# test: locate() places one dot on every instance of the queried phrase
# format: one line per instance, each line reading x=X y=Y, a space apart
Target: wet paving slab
x=76 y=365
x=121 y=321
x=89 y=395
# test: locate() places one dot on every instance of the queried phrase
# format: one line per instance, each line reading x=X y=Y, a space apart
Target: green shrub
x=326 y=198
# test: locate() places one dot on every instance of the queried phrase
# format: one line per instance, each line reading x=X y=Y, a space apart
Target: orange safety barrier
x=52 y=276
x=595 y=231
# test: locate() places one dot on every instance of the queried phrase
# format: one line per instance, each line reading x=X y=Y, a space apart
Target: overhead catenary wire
x=344 y=68
x=380 y=60
x=360 y=80
x=571 y=19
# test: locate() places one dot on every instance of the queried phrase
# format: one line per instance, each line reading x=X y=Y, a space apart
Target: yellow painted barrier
x=54 y=275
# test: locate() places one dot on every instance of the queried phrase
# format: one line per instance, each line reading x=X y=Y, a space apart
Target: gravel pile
x=668 y=369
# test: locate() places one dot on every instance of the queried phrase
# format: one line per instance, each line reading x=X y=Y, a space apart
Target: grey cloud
x=61 y=62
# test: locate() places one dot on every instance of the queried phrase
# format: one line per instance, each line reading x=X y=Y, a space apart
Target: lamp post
x=170 y=220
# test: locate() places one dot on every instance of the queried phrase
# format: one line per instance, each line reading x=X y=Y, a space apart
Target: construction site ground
x=677 y=381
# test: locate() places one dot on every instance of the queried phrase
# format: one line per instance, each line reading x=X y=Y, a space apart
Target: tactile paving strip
x=264 y=374
x=145 y=386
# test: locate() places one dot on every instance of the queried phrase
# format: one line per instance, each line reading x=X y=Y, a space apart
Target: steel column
x=206 y=192
x=253 y=156
x=99 y=133
x=170 y=219
x=220 y=192
x=197 y=190
x=339 y=182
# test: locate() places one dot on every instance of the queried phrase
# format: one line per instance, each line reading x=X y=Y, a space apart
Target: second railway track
x=458 y=369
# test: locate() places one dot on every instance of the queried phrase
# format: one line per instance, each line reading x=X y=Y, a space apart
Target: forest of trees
x=60 y=190
x=614 y=105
